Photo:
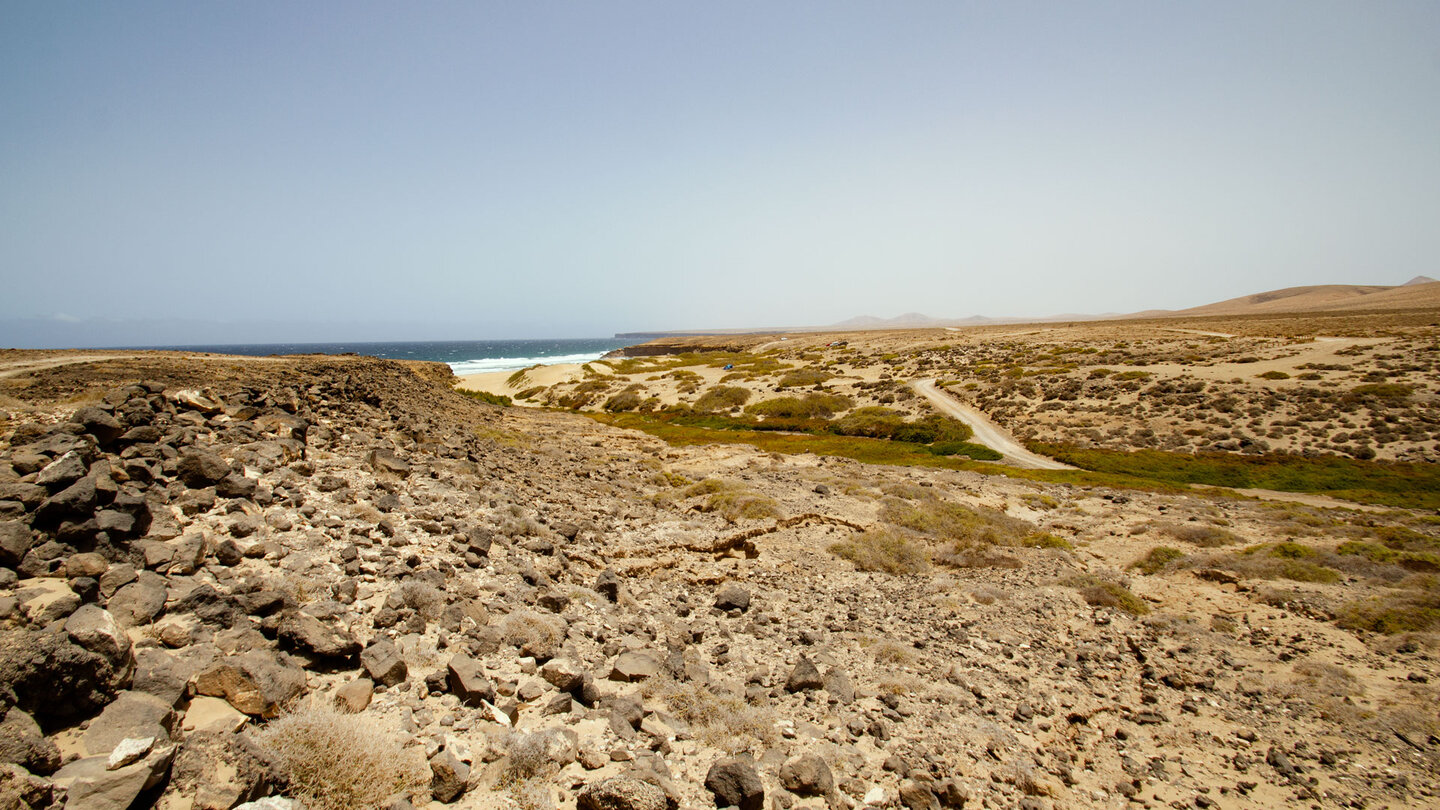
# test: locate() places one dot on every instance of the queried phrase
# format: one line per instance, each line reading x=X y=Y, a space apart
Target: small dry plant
x=880 y=549
x=335 y=761
x=720 y=719
x=532 y=632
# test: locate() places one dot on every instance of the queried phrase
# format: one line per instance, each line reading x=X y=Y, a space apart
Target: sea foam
x=487 y=365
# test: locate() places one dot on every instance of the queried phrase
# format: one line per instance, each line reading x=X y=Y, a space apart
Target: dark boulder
x=736 y=783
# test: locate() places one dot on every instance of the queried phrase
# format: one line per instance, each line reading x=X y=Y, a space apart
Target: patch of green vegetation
x=681 y=430
x=627 y=400
x=1389 y=483
x=979 y=452
x=1403 y=610
x=879 y=422
x=882 y=550
x=722 y=398
x=1401 y=538
x=1289 y=551
x=966 y=527
x=1395 y=392
x=731 y=500
x=1129 y=375
x=1157 y=560
x=486 y=397
x=1273 y=375
x=1373 y=552
x=810 y=406
x=1099 y=592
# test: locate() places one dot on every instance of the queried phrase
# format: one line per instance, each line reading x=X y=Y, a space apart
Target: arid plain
x=757 y=571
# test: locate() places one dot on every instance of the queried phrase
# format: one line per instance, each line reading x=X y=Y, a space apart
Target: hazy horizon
x=282 y=173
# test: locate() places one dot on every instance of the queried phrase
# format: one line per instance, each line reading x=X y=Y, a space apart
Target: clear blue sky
x=475 y=170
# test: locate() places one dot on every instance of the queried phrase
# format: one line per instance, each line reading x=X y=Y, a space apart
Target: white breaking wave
x=486 y=365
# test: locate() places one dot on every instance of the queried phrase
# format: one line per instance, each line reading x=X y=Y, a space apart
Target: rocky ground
x=336 y=581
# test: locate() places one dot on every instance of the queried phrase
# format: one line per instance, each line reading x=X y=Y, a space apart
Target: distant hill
x=1419 y=292
x=910 y=320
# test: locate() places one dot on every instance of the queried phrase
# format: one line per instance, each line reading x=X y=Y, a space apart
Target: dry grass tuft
x=720 y=719
x=1199 y=534
x=532 y=632
x=883 y=550
x=334 y=761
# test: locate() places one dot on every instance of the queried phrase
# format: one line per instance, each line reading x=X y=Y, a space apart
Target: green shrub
x=627 y=400
x=1401 y=538
x=1273 y=375
x=1395 y=392
x=875 y=421
x=1098 y=592
x=1157 y=560
x=1292 y=551
x=1301 y=571
x=722 y=398
x=810 y=406
x=485 y=396
x=1373 y=552
x=1399 y=611
x=881 y=550
x=1408 y=485
x=742 y=503
x=979 y=452
x=732 y=501
x=965 y=527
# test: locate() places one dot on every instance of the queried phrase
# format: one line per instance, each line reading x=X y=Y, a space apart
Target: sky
x=188 y=172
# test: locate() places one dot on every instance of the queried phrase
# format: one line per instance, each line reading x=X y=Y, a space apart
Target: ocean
x=463 y=356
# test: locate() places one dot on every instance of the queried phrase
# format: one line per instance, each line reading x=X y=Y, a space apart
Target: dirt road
x=18 y=367
x=986 y=432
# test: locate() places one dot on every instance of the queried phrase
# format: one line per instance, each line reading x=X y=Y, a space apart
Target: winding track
x=987 y=432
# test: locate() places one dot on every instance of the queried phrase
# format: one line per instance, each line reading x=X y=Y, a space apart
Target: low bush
x=963 y=526
x=1100 y=592
x=1407 y=610
x=1157 y=560
x=1199 y=534
x=979 y=452
x=336 y=761
x=886 y=551
x=810 y=406
x=532 y=632
x=627 y=400
x=721 y=398
x=1273 y=375
x=486 y=397
x=732 y=501
x=1394 y=392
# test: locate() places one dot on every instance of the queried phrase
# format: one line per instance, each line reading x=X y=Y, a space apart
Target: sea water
x=463 y=356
